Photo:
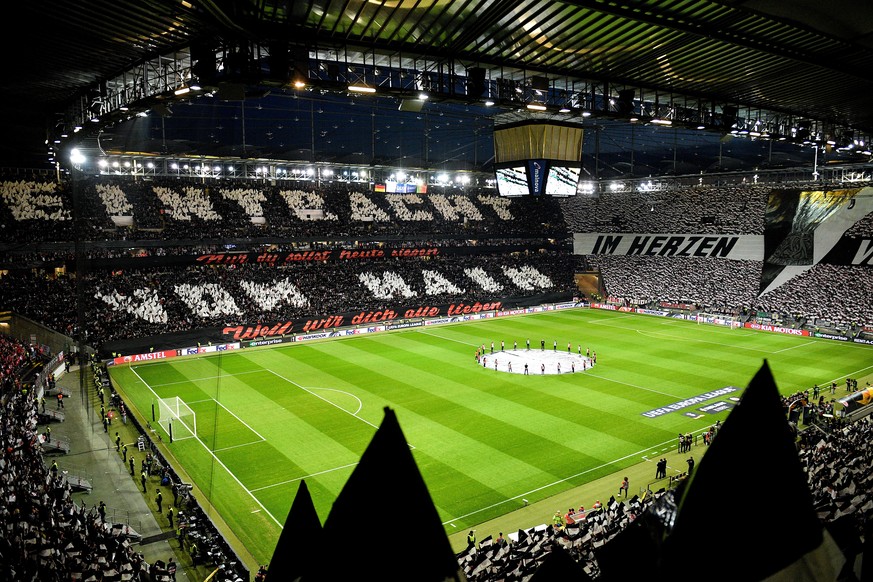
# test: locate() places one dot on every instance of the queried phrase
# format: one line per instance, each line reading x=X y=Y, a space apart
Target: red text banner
x=366 y=317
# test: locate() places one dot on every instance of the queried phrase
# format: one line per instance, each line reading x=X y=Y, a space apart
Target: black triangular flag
x=296 y=554
x=388 y=496
x=641 y=539
x=753 y=453
x=559 y=565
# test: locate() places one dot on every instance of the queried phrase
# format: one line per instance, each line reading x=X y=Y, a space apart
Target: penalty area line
x=360 y=404
x=219 y=461
x=803 y=345
x=352 y=414
x=541 y=488
x=242 y=445
x=193 y=380
x=609 y=320
x=280 y=483
x=305 y=389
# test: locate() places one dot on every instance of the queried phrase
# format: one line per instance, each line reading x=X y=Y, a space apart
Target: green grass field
x=484 y=440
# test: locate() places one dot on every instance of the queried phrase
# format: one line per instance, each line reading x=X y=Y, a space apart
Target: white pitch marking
x=260 y=436
x=238 y=446
x=448 y=339
x=305 y=477
x=633 y=385
x=804 y=344
x=207 y=378
x=360 y=404
x=607 y=321
x=552 y=484
x=217 y=460
x=322 y=398
x=659 y=335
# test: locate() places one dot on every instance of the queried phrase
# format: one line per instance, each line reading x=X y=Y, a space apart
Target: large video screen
x=512 y=181
x=562 y=180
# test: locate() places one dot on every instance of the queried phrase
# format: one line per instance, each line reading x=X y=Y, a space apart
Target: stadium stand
x=712 y=284
x=168 y=209
x=811 y=295
x=145 y=302
x=705 y=210
x=153 y=284
x=47 y=536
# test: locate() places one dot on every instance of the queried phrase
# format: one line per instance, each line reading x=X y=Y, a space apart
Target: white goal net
x=177 y=418
x=714 y=319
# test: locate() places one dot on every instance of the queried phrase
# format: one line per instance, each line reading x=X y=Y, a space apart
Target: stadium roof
x=790 y=65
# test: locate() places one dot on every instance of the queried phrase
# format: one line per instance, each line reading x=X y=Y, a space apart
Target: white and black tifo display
x=538 y=158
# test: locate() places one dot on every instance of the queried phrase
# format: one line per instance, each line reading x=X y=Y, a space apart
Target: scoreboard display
x=538 y=158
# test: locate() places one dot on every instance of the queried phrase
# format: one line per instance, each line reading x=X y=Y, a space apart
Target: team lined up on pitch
x=526 y=361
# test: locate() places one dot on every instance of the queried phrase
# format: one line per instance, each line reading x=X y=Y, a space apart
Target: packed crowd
x=839 y=468
x=29 y=205
x=166 y=209
x=46 y=535
x=13 y=356
x=24 y=258
x=139 y=303
x=829 y=295
x=862 y=228
x=292 y=216
x=179 y=208
x=505 y=558
x=701 y=210
x=727 y=286
x=49 y=537
x=715 y=285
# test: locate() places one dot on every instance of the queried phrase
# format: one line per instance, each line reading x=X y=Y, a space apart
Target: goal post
x=176 y=418
x=731 y=321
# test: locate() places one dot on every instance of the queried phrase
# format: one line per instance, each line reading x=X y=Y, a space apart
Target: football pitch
x=484 y=440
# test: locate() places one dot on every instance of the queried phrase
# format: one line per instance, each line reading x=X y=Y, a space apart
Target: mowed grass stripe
x=437 y=436
x=568 y=405
x=264 y=466
x=565 y=398
x=302 y=422
x=216 y=397
x=315 y=438
x=197 y=368
x=482 y=438
x=242 y=511
x=823 y=361
x=258 y=465
x=257 y=529
x=678 y=367
x=427 y=395
x=226 y=412
x=558 y=443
